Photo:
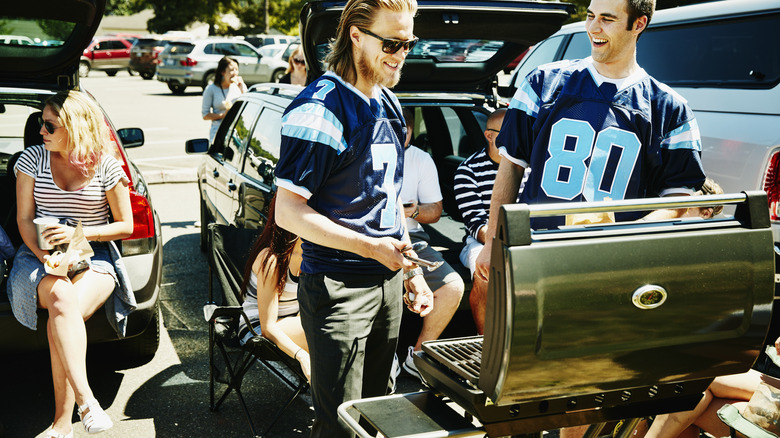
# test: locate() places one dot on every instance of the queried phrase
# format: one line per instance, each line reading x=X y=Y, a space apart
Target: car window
x=738 y=53
x=235 y=143
x=545 y=52
x=264 y=146
x=244 y=50
x=225 y=49
x=578 y=47
x=179 y=48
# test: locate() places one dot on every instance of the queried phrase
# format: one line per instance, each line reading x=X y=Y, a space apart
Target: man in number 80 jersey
x=597 y=128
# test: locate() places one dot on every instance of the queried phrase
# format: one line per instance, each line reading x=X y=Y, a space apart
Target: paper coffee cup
x=41 y=223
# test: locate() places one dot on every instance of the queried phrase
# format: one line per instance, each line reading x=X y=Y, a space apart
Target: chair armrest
x=211 y=311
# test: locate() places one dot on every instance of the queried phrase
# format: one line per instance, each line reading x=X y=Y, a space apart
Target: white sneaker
x=409 y=366
x=395 y=371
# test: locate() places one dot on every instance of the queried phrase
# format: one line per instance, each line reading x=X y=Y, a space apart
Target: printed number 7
x=382 y=154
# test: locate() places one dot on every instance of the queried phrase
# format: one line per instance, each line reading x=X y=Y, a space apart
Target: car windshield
x=460 y=51
x=29 y=32
x=178 y=48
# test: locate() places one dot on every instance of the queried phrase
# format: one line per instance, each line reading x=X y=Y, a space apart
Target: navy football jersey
x=591 y=142
x=344 y=153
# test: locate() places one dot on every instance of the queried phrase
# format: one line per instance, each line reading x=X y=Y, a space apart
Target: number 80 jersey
x=587 y=142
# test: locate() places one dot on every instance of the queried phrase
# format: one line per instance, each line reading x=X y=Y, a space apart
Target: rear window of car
x=733 y=53
x=178 y=49
x=34 y=32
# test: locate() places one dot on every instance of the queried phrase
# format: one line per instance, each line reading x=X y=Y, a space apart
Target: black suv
x=30 y=75
x=451 y=93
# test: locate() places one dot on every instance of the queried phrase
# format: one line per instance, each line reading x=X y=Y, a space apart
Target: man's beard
x=374 y=76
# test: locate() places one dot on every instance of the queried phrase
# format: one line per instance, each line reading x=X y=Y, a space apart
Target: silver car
x=186 y=63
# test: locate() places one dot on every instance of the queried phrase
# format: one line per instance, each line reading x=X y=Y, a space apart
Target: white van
x=724 y=58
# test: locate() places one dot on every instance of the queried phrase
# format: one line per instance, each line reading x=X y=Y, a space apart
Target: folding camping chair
x=228 y=252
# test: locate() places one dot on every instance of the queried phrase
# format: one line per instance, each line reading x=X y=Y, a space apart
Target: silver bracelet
x=416 y=271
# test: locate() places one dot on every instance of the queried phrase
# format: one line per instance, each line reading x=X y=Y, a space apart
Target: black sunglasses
x=49 y=126
x=299 y=61
x=390 y=45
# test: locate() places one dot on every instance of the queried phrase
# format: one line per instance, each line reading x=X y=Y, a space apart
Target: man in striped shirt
x=473 y=188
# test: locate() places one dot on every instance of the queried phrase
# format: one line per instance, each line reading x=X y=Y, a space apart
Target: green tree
x=56 y=29
x=124 y=7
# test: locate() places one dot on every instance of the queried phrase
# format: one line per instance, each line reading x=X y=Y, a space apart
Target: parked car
x=109 y=54
x=24 y=87
x=731 y=83
x=19 y=40
x=261 y=40
x=144 y=53
x=185 y=63
x=273 y=56
x=451 y=98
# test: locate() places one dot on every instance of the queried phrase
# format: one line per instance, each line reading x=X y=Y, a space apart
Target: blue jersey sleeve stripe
x=313 y=122
x=289 y=185
x=685 y=137
x=526 y=100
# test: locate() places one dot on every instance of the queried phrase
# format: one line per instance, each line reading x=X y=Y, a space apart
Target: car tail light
x=772 y=186
x=143 y=217
x=189 y=62
x=142 y=240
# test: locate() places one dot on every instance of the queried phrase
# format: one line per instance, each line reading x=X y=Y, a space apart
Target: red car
x=109 y=54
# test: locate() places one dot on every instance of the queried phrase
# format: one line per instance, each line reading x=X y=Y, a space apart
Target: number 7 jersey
x=587 y=142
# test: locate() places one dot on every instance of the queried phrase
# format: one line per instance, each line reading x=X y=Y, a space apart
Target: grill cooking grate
x=462 y=356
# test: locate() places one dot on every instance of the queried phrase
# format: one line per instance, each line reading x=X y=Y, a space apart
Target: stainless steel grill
x=586 y=325
x=599 y=323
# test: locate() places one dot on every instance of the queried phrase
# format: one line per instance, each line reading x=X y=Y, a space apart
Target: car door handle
x=215 y=173
x=232 y=186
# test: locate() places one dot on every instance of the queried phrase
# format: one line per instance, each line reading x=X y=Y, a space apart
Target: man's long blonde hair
x=359 y=13
x=88 y=134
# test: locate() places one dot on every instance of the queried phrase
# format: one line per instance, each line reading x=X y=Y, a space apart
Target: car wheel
x=277 y=75
x=84 y=69
x=143 y=346
x=208 y=78
x=112 y=72
x=147 y=75
x=176 y=88
x=205 y=220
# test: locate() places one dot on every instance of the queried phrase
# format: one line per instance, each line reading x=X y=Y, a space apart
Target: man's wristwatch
x=412 y=273
x=416 y=212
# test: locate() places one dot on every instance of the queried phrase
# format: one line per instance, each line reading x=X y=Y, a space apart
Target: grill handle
x=514 y=225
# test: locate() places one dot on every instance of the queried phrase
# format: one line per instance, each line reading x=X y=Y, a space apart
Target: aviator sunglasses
x=48 y=126
x=299 y=61
x=390 y=45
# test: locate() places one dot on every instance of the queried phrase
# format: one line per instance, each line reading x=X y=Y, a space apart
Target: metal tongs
x=419 y=246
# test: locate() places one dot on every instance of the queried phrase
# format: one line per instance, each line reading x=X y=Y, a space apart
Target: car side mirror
x=131 y=137
x=197 y=146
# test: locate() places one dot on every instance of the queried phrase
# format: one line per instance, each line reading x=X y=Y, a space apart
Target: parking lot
x=168 y=396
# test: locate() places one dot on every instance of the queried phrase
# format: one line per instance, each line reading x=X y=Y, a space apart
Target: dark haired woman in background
x=220 y=94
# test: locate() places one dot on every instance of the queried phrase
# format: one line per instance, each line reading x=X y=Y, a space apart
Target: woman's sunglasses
x=299 y=61
x=390 y=45
x=49 y=126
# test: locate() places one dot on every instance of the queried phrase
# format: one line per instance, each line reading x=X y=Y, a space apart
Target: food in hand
x=53 y=261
